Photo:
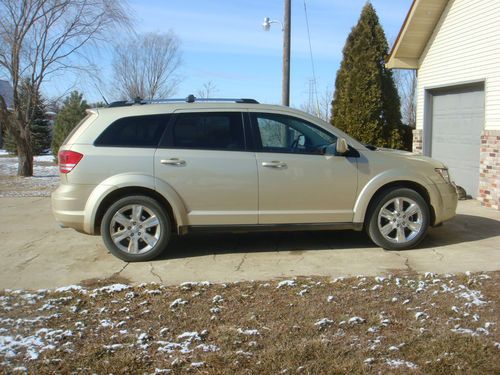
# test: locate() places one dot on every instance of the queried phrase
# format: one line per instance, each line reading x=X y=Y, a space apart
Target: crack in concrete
x=152 y=271
x=238 y=267
x=123 y=268
x=440 y=256
x=23 y=264
x=407 y=261
x=31 y=243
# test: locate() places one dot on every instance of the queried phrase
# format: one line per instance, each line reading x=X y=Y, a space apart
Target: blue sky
x=223 y=42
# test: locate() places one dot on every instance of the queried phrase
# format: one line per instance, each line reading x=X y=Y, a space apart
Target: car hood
x=410 y=156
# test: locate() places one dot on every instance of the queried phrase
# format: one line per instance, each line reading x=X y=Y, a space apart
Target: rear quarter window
x=135 y=131
x=209 y=131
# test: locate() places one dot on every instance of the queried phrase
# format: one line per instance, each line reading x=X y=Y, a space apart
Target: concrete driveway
x=35 y=253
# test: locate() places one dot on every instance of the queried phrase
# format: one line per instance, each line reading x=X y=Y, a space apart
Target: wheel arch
x=128 y=191
x=120 y=186
x=362 y=214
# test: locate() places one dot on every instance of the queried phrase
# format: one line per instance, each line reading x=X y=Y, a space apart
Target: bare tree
x=207 y=90
x=406 y=82
x=40 y=38
x=322 y=107
x=145 y=66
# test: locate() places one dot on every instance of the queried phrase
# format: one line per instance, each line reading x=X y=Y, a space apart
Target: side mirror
x=341 y=147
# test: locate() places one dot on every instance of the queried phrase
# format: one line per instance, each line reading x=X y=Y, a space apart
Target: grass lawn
x=401 y=323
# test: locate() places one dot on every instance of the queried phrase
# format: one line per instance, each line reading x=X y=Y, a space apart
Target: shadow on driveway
x=462 y=228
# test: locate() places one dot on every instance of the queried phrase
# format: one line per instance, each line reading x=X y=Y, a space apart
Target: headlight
x=443 y=172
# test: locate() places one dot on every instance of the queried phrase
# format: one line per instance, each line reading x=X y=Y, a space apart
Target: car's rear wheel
x=398 y=219
x=136 y=228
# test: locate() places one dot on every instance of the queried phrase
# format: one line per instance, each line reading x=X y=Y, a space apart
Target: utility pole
x=285 y=88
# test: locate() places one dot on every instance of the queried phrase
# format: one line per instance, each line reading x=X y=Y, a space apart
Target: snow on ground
x=45 y=177
x=55 y=323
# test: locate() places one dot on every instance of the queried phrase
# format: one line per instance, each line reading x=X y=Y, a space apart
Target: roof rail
x=189 y=99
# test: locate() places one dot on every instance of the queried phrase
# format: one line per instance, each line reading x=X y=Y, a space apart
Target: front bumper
x=445 y=206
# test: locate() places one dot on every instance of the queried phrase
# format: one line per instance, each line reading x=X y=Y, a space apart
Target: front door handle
x=274 y=164
x=173 y=161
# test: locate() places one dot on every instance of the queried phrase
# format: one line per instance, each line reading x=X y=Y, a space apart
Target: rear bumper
x=68 y=205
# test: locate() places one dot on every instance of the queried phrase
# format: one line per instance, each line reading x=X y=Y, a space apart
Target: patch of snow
x=325 y=322
x=284 y=283
x=190 y=336
x=396 y=363
x=208 y=348
x=474 y=297
x=421 y=314
x=105 y=323
x=330 y=298
x=197 y=364
x=113 y=288
x=178 y=302
x=113 y=347
x=248 y=332
x=69 y=288
x=369 y=361
x=356 y=320
x=43 y=158
x=217 y=299
x=302 y=292
x=377 y=287
x=380 y=279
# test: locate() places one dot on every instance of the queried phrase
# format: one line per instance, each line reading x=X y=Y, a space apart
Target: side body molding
x=394 y=175
x=127 y=180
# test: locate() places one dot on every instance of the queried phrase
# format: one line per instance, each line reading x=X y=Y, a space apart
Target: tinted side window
x=279 y=133
x=216 y=131
x=135 y=131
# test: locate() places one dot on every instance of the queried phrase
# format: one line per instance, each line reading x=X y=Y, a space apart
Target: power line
x=315 y=89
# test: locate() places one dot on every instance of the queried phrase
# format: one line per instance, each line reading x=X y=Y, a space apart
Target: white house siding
x=465 y=48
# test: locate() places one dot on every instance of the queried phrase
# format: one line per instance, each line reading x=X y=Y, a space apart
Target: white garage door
x=457 y=123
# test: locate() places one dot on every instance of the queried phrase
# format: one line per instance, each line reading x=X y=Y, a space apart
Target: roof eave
x=417 y=29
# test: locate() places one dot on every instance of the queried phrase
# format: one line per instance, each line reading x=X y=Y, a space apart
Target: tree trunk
x=25 y=155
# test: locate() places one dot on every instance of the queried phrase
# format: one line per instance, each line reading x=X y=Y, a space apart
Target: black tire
x=135 y=235
x=401 y=225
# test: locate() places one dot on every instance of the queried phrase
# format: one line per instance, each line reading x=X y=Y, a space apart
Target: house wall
x=465 y=48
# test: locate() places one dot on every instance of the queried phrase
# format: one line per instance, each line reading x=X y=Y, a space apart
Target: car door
x=300 y=181
x=203 y=157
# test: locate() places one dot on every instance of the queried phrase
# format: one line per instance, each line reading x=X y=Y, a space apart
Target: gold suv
x=138 y=172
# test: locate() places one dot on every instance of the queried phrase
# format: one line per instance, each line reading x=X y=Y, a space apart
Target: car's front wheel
x=136 y=228
x=398 y=219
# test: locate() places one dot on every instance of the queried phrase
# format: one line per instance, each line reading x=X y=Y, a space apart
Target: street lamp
x=286 y=28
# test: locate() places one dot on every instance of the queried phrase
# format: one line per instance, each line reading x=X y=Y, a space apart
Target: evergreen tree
x=38 y=123
x=366 y=104
x=72 y=112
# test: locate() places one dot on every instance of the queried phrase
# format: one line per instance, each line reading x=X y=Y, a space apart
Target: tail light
x=68 y=160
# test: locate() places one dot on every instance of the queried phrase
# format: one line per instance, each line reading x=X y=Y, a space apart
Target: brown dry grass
x=288 y=341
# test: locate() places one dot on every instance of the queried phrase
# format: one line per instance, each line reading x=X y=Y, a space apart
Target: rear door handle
x=173 y=161
x=274 y=164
